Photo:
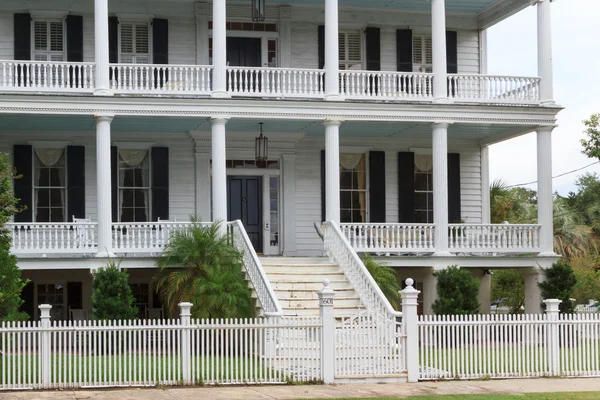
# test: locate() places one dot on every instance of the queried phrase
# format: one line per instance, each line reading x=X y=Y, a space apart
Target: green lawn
x=531 y=396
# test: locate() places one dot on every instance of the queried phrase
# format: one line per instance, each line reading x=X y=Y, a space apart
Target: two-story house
x=126 y=117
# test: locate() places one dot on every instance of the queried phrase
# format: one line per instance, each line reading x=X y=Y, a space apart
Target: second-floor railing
x=275 y=82
x=144 y=237
x=43 y=238
x=494 y=88
x=161 y=78
x=386 y=85
x=43 y=76
x=374 y=237
x=504 y=238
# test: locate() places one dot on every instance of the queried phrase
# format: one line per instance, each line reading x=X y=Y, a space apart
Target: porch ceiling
x=61 y=123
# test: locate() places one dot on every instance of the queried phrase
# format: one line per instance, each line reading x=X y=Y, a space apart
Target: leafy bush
x=200 y=265
x=559 y=284
x=111 y=296
x=385 y=277
x=457 y=292
x=509 y=284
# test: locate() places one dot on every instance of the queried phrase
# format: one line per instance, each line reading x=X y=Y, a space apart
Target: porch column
x=202 y=182
x=219 y=171
x=438 y=36
x=440 y=188
x=533 y=293
x=202 y=34
x=429 y=291
x=288 y=184
x=332 y=170
x=285 y=36
x=103 y=185
x=332 y=58
x=544 y=190
x=101 y=48
x=544 y=37
x=219 y=49
x=485 y=185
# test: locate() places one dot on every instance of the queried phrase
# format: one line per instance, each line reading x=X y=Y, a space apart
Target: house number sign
x=327 y=301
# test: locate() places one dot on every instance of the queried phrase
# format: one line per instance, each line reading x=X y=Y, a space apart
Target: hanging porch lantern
x=258 y=10
x=261 y=150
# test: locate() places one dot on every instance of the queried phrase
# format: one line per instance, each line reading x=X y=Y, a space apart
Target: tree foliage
x=509 y=285
x=111 y=295
x=591 y=144
x=457 y=292
x=385 y=277
x=201 y=266
x=559 y=284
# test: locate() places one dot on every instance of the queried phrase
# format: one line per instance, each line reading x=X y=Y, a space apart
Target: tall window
x=135 y=42
x=134 y=185
x=48 y=40
x=423 y=189
x=350 y=49
x=49 y=185
x=353 y=187
x=53 y=294
x=422 y=54
x=140 y=293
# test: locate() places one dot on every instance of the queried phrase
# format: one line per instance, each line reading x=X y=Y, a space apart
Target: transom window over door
x=423 y=189
x=350 y=49
x=135 y=42
x=422 y=53
x=49 y=185
x=353 y=187
x=134 y=185
x=48 y=40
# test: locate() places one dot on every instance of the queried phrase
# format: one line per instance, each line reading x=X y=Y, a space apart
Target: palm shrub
x=457 y=292
x=111 y=295
x=200 y=265
x=385 y=277
x=559 y=284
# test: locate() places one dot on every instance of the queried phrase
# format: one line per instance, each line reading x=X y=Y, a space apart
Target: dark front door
x=245 y=204
x=243 y=52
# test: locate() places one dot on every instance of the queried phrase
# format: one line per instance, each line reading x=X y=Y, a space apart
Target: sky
x=512 y=50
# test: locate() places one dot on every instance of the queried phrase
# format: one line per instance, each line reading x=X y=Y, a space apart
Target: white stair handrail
x=338 y=248
x=256 y=273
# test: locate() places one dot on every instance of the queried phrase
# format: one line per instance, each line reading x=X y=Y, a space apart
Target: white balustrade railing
x=275 y=82
x=501 y=238
x=494 y=88
x=43 y=238
x=161 y=78
x=390 y=238
x=372 y=85
x=339 y=249
x=51 y=76
x=255 y=271
x=144 y=237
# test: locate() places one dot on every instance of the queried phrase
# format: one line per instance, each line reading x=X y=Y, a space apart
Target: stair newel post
x=326 y=296
x=410 y=330
x=186 y=349
x=45 y=344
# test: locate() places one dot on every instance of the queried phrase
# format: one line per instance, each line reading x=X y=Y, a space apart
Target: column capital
x=104 y=117
x=443 y=125
x=201 y=8
x=535 y=2
x=332 y=122
x=543 y=129
x=219 y=120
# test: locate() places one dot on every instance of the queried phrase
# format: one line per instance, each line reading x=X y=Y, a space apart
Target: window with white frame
x=53 y=294
x=134 y=185
x=353 y=187
x=422 y=53
x=350 y=49
x=48 y=40
x=49 y=184
x=423 y=199
x=135 y=42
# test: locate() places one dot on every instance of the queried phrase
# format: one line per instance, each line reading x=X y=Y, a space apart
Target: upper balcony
x=385 y=52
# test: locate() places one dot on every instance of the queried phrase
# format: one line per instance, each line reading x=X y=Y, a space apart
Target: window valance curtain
x=423 y=162
x=350 y=160
x=49 y=157
x=133 y=157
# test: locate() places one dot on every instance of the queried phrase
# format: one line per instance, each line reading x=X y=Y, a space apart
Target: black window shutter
x=23 y=186
x=404 y=50
x=75 y=295
x=323 y=216
x=27 y=294
x=373 y=49
x=160 y=183
x=406 y=187
x=452 y=52
x=114 y=180
x=454 y=188
x=22 y=36
x=113 y=40
x=377 y=186
x=160 y=41
x=76 y=181
x=321 y=46
x=74 y=38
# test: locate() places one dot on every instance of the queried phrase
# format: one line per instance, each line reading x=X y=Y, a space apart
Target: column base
x=333 y=97
x=443 y=254
x=105 y=254
x=547 y=254
x=220 y=94
x=443 y=100
x=103 y=92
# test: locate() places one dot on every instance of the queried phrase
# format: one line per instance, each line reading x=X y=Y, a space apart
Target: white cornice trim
x=134 y=17
x=134 y=145
x=49 y=144
x=50 y=14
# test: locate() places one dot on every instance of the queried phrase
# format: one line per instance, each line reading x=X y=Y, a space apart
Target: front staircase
x=296 y=280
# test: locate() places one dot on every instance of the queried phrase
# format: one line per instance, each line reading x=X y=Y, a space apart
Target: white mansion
x=126 y=117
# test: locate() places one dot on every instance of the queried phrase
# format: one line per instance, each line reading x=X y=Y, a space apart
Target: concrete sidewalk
x=321 y=391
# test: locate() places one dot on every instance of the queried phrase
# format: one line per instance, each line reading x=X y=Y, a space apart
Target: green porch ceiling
x=63 y=123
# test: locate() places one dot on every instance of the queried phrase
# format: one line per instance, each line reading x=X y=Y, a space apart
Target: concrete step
x=310 y=294
x=302 y=268
x=297 y=277
x=294 y=260
x=313 y=312
x=308 y=303
x=311 y=285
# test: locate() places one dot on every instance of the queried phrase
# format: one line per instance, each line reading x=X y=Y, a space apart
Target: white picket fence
x=509 y=346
